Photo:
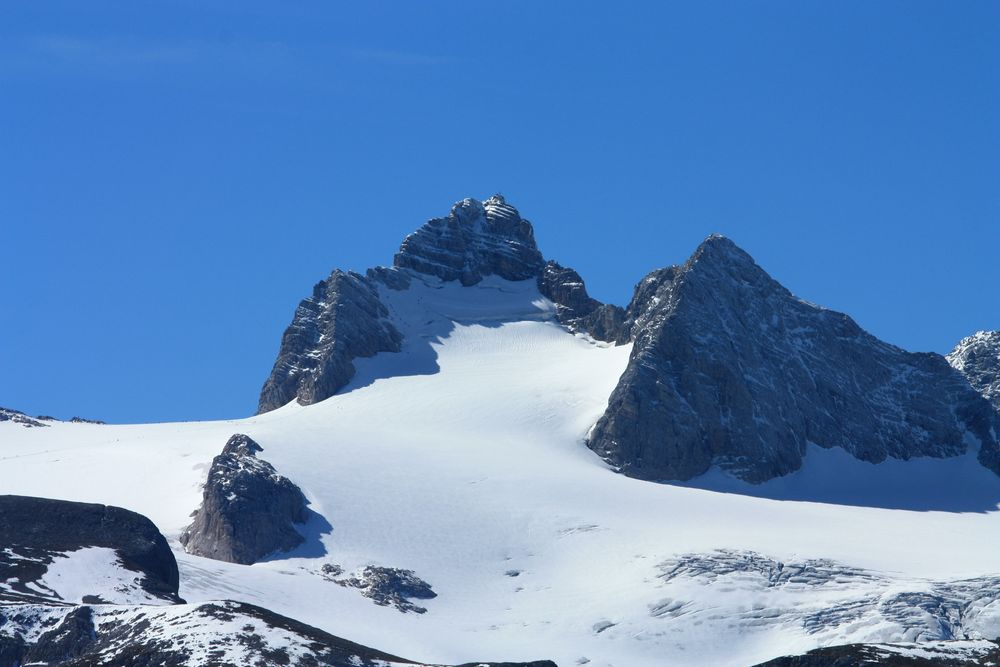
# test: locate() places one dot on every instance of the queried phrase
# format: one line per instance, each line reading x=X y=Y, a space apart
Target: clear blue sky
x=175 y=176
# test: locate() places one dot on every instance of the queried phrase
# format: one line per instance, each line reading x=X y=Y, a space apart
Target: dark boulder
x=248 y=510
x=35 y=529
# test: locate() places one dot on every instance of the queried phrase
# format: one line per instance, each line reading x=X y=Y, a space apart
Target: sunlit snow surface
x=462 y=459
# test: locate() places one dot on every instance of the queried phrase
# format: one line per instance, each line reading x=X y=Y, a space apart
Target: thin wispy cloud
x=128 y=56
x=399 y=58
x=116 y=51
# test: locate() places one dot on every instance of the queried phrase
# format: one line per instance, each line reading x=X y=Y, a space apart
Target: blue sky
x=175 y=176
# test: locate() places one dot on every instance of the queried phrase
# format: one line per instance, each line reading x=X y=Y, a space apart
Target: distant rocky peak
x=476 y=239
x=719 y=256
x=977 y=357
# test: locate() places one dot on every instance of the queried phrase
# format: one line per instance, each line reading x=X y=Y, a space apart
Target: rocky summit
x=730 y=369
x=346 y=319
x=474 y=240
x=977 y=357
x=248 y=510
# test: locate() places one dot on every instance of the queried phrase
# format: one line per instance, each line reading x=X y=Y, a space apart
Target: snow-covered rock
x=977 y=357
x=220 y=634
x=18 y=417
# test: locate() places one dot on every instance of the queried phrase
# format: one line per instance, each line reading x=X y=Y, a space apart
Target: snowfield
x=462 y=458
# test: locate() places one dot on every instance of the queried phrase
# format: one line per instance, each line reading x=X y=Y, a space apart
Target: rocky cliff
x=730 y=369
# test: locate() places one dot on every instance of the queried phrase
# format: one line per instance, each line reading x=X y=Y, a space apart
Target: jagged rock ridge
x=248 y=510
x=977 y=357
x=730 y=369
x=578 y=310
x=18 y=417
x=221 y=634
x=345 y=318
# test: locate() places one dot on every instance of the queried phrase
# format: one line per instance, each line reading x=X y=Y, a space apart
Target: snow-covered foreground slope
x=462 y=459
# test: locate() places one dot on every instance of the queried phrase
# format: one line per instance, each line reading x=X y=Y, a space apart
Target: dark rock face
x=575 y=308
x=936 y=654
x=476 y=239
x=978 y=359
x=385 y=586
x=200 y=634
x=248 y=510
x=18 y=417
x=730 y=369
x=343 y=320
x=34 y=530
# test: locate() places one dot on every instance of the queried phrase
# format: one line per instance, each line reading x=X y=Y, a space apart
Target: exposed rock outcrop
x=221 y=634
x=248 y=510
x=18 y=417
x=344 y=319
x=730 y=369
x=977 y=357
x=474 y=240
x=576 y=309
x=384 y=585
x=35 y=532
x=957 y=653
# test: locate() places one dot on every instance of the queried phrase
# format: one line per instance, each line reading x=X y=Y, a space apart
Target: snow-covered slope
x=462 y=459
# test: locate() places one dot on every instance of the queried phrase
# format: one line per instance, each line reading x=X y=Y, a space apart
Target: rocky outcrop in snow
x=384 y=585
x=576 y=309
x=221 y=634
x=37 y=535
x=18 y=417
x=956 y=653
x=977 y=357
x=344 y=319
x=730 y=369
x=248 y=510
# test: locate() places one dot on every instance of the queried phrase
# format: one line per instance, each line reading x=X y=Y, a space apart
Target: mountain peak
x=721 y=250
x=474 y=240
